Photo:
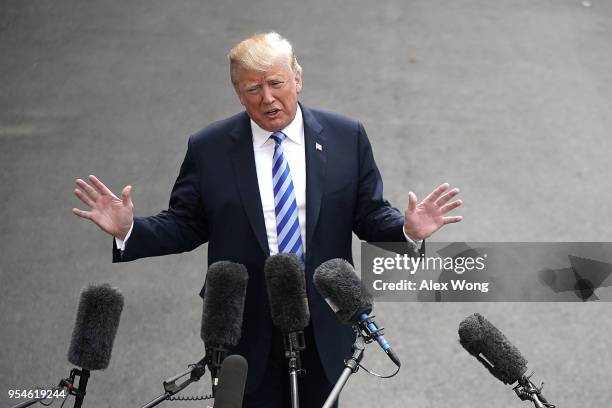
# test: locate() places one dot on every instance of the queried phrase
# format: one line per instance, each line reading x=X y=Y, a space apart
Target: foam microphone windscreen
x=287 y=292
x=232 y=379
x=489 y=345
x=340 y=286
x=95 y=328
x=226 y=285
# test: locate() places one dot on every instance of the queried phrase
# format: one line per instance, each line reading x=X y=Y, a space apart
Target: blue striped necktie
x=285 y=207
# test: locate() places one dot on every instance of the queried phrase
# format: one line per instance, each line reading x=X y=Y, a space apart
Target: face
x=269 y=97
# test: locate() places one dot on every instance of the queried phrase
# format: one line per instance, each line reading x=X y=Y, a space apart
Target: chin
x=274 y=125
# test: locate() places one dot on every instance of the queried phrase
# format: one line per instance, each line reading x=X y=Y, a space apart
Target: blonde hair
x=259 y=52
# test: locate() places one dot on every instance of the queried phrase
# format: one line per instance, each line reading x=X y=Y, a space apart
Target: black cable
x=375 y=374
x=190 y=398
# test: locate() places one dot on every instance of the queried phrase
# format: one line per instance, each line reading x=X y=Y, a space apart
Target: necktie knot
x=278 y=137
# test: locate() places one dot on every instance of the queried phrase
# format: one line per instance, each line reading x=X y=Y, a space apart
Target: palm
x=423 y=219
x=426 y=218
x=111 y=214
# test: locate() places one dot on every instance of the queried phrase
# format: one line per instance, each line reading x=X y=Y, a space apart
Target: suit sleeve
x=182 y=227
x=375 y=219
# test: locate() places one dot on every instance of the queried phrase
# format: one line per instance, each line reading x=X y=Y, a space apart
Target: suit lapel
x=316 y=165
x=243 y=161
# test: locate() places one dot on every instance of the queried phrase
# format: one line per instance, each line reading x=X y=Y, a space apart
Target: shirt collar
x=294 y=130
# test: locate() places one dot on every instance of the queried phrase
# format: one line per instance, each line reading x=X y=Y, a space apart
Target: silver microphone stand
x=350 y=367
x=294 y=343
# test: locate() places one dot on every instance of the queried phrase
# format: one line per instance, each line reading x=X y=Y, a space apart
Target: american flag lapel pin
x=318 y=147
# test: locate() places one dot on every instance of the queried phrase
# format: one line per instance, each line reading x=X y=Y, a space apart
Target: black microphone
x=287 y=293
x=289 y=310
x=96 y=324
x=95 y=328
x=232 y=380
x=489 y=345
x=344 y=292
x=222 y=315
x=97 y=320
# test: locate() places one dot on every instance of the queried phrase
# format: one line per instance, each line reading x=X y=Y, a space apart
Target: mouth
x=272 y=113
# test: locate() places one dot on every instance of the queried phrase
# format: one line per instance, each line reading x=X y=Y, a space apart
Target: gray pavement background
x=509 y=100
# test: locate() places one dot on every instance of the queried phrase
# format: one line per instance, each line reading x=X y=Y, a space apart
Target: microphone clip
x=353 y=363
x=215 y=354
x=195 y=371
x=368 y=329
x=294 y=343
x=528 y=391
x=69 y=383
x=171 y=387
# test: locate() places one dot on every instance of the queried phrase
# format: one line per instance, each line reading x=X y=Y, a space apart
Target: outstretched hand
x=423 y=219
x=112 y=214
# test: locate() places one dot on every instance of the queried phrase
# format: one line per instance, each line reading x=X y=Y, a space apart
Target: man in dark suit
x=279 y=177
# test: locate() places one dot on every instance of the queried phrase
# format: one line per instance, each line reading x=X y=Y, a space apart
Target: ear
x=298 y=82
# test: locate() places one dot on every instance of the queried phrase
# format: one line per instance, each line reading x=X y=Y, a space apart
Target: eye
x=253 y=89
x=276 y=84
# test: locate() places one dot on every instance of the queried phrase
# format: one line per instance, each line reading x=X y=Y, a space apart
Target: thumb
x=125 y=195
x=412 y=201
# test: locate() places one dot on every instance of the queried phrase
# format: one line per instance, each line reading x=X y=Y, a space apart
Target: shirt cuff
x=121 y=243
x=417 y=244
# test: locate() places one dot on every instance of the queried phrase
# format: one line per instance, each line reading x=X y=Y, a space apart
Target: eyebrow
x=249 y=85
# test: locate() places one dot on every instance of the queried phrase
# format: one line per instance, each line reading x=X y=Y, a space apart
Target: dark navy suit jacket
x=216 y=199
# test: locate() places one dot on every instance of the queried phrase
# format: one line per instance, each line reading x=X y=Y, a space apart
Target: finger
x=433 y=196
x=452 y=220
x=125 y=195
x=83 y=214
x=84 y=198
x=447 y=197
x=91 y=192
x=102 y=189
x=412 y=201
x=451 y=206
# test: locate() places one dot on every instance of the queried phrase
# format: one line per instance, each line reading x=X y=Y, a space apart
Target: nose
x=267 y=96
